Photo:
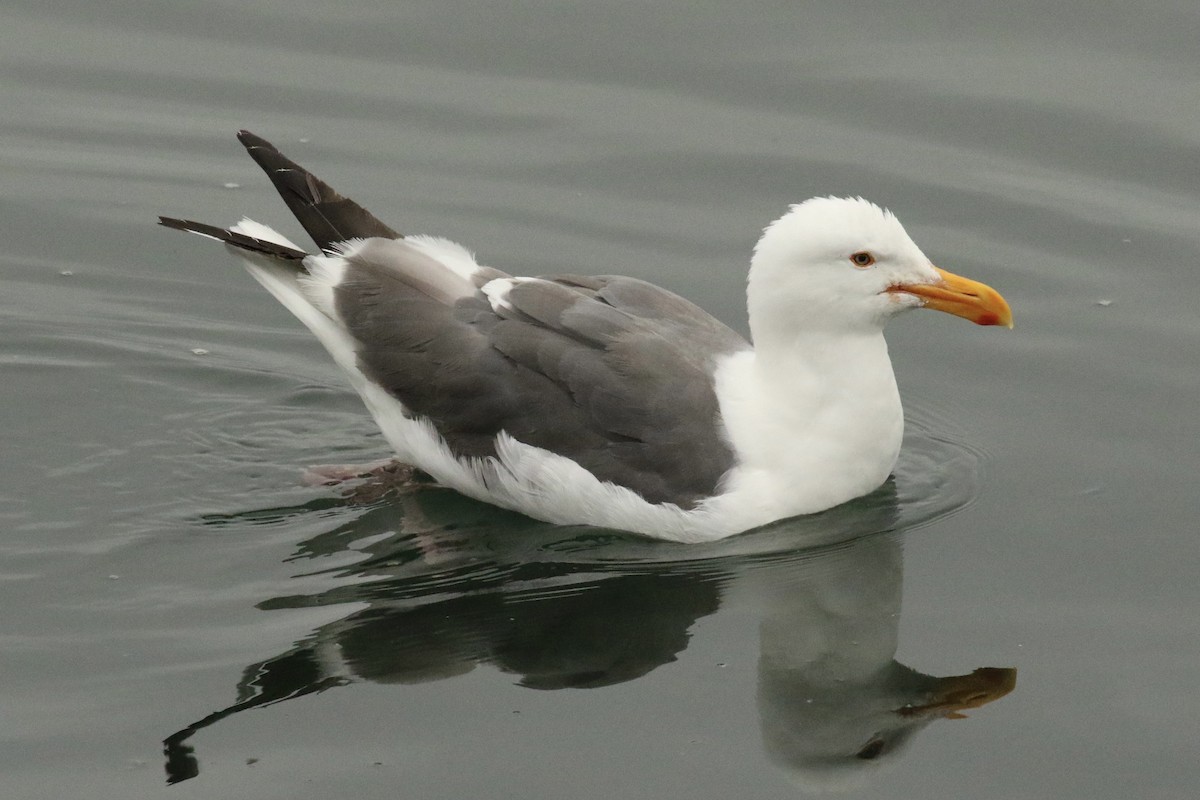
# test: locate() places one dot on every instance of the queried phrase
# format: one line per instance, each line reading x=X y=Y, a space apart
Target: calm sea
x=165 y=576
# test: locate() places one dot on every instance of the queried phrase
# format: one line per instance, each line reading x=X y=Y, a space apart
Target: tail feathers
x=240 y=240
x=328 y=217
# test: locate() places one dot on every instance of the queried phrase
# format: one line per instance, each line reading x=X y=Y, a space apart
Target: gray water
x=164 y=575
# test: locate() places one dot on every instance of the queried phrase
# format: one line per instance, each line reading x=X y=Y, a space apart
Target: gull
x=606 y=400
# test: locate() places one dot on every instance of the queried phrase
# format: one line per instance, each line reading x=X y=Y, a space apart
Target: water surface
x=162 y=565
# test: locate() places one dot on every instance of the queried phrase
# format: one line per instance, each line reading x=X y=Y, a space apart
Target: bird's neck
x=815 y=419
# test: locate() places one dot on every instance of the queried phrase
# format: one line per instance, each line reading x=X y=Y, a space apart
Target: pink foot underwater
x=379 y=478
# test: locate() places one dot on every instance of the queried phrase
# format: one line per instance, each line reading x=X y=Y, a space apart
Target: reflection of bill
x=563 y=609
x=833 y=701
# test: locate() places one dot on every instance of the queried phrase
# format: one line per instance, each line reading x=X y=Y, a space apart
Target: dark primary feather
x=234 y=238
x=328 y=217
x=611 y=372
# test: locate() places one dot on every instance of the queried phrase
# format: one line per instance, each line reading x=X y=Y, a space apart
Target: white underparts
x=819 y=430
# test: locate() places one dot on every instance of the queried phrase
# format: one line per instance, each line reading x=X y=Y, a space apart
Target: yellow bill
x=962 y=297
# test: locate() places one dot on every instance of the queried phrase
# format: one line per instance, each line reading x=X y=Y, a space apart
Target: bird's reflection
x=449 y=585
x=833 y=702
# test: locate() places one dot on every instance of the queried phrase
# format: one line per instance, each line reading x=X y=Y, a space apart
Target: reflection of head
x=834 y=704
x=837 y=738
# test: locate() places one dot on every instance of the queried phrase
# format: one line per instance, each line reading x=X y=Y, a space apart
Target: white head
x=838 y=265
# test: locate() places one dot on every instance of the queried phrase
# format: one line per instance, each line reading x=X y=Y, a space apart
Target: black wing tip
x=327 y=216
x=191 y=226
x=239 y=240
x=265 y=154
x=250 y=139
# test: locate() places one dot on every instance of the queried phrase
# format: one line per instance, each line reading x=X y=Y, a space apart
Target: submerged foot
x=379 y=478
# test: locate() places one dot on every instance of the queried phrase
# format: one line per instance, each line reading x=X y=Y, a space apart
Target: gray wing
x=611 y=372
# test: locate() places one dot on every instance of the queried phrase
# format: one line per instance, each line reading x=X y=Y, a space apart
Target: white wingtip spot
x=497 y=294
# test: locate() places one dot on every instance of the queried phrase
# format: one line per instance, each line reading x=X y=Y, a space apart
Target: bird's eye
x=862 y=259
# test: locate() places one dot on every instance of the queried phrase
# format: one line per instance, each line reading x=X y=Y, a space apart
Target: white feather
x=497 y=292
x=453 y=255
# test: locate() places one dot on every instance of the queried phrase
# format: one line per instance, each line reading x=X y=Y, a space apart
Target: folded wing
x=611 y=372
